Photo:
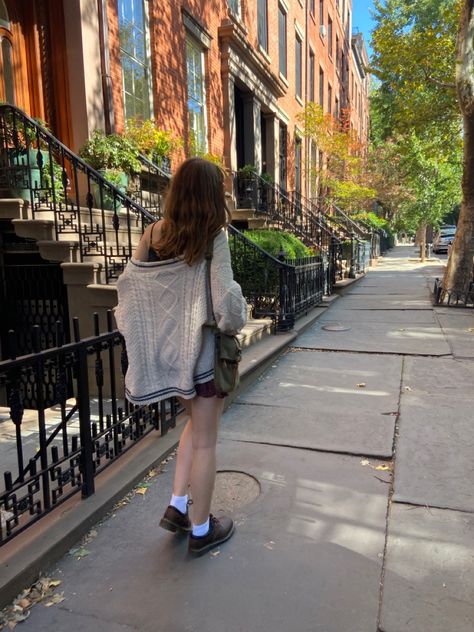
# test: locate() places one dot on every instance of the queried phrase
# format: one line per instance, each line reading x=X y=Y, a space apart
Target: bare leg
x=206 y=414
x=184 y=460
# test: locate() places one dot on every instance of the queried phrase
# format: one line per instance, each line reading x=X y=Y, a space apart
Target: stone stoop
x=249 y=218
x=86 y=293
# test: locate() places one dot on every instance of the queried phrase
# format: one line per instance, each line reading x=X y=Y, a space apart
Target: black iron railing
x=291 y=211
x=82 y=205
x=279 y=289
x=453 y=298
x=82 y=423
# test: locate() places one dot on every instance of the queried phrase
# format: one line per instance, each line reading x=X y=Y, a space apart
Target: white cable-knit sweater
x=162 y=307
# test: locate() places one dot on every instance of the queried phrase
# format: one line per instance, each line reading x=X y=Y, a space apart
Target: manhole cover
x=234 y=490
x=335 y=327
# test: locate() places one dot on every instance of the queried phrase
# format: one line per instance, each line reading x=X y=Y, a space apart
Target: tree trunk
x=459 y=272
x=422 y=230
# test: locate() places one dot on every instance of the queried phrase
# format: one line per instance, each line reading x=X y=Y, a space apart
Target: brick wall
x=168 y=57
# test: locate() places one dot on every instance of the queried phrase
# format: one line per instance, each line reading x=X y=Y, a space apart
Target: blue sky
x=362 y=18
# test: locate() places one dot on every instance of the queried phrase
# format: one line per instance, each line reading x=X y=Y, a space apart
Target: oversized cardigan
x=161 y=312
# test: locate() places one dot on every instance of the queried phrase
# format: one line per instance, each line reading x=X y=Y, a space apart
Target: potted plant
x=156 y=144
x=25 y=156
x=115 y=158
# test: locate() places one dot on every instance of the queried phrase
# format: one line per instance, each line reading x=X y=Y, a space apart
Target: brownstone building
x=231 y=74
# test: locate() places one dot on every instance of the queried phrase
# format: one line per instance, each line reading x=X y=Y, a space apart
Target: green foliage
x=151 y=141
x=247 y=171
x=416 y=153
x=195 y=150
x=274 y=242
x=110 y=152
x=344 y=176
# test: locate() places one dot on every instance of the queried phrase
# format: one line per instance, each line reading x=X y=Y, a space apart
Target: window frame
x=201 y=144
x=311 y=70
x=146 y=63
x=262 y=4
x=298 y=72
x=282 y=13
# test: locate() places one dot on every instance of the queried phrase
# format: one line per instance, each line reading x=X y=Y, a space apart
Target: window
x=338 y=53
x=312 y=7
x=336 y=108
x=234 y=6
x=298 y=53
x=321 y=87
x=321 y=12
x=135 y=59
x=298 y=165
x=7 y=86
x=282 y=154
x=311 y=75
x=329 y=98
x=282 y=40
x=196 y=94
x=262 y=24
x=329 y=36
x=314 y=169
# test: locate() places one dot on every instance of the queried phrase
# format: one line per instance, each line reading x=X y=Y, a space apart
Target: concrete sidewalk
x=348 y=468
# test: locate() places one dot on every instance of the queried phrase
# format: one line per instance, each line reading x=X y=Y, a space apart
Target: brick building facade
x=233 y=75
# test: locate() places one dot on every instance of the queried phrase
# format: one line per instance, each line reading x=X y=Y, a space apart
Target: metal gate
x=32 y=294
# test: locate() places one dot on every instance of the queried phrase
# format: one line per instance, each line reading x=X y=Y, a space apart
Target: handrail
x=58 y=181
x=276 y=289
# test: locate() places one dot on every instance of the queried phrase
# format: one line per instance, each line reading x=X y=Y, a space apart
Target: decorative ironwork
x=281 y=290
x=453 y=298
x=79 y=437
x=104 y=221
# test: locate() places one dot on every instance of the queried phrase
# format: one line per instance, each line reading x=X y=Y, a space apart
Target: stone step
x=243 y=213
x=13 y=208
x=60 y=251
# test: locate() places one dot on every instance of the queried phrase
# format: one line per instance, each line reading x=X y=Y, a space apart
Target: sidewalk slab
x=386 y=337
x=429 y=571
x=306 y=556
x=312 y=400
x=435 y=464
x=400 y=301
x=458 y=327
x=400 y=316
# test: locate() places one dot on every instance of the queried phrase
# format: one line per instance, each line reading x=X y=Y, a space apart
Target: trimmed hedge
x=274 y=241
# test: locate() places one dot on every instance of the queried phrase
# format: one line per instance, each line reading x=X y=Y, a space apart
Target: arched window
x=7 y=84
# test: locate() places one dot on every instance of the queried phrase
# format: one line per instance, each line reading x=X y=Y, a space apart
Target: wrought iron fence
x=453 y=298
x=281 y=290
x=80 y=435
x=290 y=210
x=81 y=203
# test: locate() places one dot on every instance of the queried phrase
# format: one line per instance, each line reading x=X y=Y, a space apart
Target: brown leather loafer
x=220 y=530
x=175 y=521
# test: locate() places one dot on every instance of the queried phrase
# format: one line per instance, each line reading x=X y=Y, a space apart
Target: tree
x=424 y=59
x=343 y=177
x=459 y=272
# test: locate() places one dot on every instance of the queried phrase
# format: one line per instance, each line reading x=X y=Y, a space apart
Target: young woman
x=163 y=307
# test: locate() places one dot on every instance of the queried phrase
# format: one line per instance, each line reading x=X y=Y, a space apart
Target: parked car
x=443 y=239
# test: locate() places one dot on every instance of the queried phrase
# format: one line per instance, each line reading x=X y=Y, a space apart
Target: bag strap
x=208 y=256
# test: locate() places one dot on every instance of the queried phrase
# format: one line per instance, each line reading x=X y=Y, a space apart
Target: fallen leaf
x=365 y=462
x=56 y=598
x=408 y=388
x=383 y=468
x=215 y=553
x=79 y=553
x=141 y=490
x=361 y=385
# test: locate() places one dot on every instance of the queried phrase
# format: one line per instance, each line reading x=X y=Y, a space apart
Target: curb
x=28 y=554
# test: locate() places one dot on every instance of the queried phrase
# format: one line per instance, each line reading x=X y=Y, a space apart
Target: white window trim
x=197 y=44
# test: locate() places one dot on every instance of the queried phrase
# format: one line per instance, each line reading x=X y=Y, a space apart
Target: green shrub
x=274 y=242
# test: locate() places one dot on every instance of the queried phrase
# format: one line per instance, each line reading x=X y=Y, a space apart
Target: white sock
x=201 y=529
x=180 y=503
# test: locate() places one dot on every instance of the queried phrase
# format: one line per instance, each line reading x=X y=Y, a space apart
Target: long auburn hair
x=195 y=210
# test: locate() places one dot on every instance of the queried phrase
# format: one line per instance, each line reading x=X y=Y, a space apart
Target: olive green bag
x=228 y=351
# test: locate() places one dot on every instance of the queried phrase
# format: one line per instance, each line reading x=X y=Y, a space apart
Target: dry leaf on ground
x=361 y=385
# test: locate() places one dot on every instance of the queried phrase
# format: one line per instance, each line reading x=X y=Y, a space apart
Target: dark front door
x=239 y=128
